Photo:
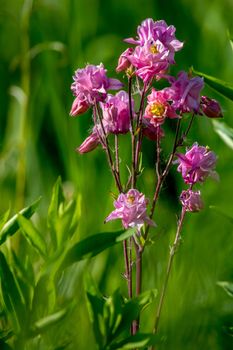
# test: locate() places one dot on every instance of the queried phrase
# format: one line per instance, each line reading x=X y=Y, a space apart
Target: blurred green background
x=42 y=43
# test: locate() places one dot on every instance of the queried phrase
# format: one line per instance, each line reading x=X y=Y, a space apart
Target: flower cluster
x=148 y=59
x=195 y=165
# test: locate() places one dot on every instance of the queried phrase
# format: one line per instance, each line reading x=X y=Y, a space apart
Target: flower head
x=191 y=200
x=130 y=207
x=91 y=85
x=211 y=108
x=185 y=92
x=158 y=107
x=197 y=164
x=116 y=114
x=90 y=143
x=157 y=34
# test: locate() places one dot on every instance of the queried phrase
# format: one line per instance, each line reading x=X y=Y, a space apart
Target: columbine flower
x=158 y=107
x=157 y=34
x=197 y=164
x=185 y=92
x=191 y=200
x=116 y=115
x=149 y=64
x=90 y=85
x=211 y=108
x=131 y=209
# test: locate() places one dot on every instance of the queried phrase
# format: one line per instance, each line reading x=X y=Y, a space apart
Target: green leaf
x=12 y=297
x=32 y=235
x=56 y=199
x=3 y=218
x=93 y=245
x=225 y=132
x=4 y=346
x=227 y=286
x=45 y=323
x=137 y=341
x=221 y=86
x=12 y=225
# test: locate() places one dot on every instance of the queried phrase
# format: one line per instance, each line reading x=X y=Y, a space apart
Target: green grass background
x=42 y=43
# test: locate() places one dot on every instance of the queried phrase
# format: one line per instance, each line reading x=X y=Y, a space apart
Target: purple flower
x=191 y=200
x=197 y=164
x=158 y=107
x=185 y=92
x=123 y=62
x=116 y=115
x=157 y=34
x=131 y=209
x=90 y=85
x=211 y=108
x=150 y=131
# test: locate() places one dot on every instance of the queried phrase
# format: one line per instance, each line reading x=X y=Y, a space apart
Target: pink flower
x=185 y=92
x=158 y=107
x=197 y=164
x=156 y=34
x=123 y=62
x=191 y=200
x=130 y=207
x=90 y=85
x=91 y=142
x=211 y=108
x=149 y=63
x=116 y=115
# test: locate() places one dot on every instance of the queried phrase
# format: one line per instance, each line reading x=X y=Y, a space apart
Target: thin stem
x=168 y=270
x=162 y=176
x=138 y=250
x=107 y=149
x=158 y=150
x=133 y=167
x=117 y=161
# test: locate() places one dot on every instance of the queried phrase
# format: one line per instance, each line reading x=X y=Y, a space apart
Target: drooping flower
x=91 y=85
x=197 y=164
x=210 y=107
x=116 y=113
x=185 y=92
x=131 y=208
x=157 y=34
x=150 y=131
x=158 y=107
x=191 y=200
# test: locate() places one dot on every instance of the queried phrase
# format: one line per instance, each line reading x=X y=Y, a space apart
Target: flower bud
x=79 y=106
x=89 y=144
x=211 y=108
x=123 y=62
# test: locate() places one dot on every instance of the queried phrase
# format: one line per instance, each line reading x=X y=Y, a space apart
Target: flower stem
x=173 y=250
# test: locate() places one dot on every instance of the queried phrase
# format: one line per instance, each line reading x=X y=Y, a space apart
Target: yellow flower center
x=157 y=109
x=153 y=49
x=130 y=199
